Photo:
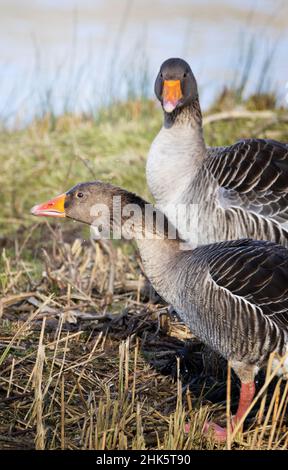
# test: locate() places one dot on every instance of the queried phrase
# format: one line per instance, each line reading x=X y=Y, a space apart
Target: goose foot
x=217 y=433
x=187 y=428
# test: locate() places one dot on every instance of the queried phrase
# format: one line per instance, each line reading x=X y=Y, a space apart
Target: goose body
x=240 y=190
x=234 y=299
x=233 y=295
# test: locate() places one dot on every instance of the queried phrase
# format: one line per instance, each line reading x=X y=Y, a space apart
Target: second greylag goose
x=232 y=295
x=237 y=191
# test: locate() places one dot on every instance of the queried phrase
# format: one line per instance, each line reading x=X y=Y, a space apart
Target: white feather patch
x=169 y=107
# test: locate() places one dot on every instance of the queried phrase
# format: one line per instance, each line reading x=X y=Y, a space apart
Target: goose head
x=80 y=202
x=107 y=208
x=175 y=85
x=94 y=203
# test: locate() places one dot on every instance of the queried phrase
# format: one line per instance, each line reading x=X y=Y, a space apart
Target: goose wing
x=253 y=174
x=256 y=271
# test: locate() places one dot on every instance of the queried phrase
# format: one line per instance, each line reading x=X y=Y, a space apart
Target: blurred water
x=77 y=54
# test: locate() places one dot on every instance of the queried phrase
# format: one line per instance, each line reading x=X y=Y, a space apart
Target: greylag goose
x=238 y=191
x=233 y=295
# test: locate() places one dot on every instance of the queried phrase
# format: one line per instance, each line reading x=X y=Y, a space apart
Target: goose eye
x=161 y=74
x=80 y=195
x=184 y=75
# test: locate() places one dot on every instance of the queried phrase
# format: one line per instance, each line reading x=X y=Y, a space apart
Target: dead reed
x=89 y=360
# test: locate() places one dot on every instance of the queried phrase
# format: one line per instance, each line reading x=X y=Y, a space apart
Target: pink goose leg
x=247 y=393
x=246 y=396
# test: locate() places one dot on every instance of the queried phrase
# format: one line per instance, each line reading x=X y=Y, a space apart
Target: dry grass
x=88 y=356
x=88 y=360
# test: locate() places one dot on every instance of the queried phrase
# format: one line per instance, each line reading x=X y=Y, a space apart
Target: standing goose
x=232 y=295
x=240 y=190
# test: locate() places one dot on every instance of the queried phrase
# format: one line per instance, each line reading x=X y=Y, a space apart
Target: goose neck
x=157 y=239
x=187 y=116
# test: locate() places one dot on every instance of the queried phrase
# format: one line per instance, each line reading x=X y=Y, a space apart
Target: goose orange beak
x=172 y=94
x=53 y=208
